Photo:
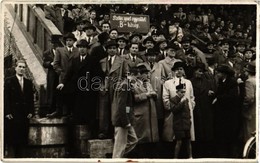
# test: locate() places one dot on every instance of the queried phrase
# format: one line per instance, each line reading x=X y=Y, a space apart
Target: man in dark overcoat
x=62 y=61
x=18 y=109
x=226 y=112
x=52 y=76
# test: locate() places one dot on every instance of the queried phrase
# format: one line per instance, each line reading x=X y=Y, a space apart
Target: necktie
x=110 y=62
x=88 y=39
x=151 y=65
x=133 y=59
x=120 y=51
x=21 y=83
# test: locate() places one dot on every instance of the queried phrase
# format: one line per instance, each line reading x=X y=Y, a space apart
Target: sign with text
x=130 y=23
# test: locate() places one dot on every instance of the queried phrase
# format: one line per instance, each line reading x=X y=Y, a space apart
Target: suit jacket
x=52 y=76
x=62 y=61
x=78 y=80
x=18 y=103
x=114 y=74
x=128 y=63
x=124 y=99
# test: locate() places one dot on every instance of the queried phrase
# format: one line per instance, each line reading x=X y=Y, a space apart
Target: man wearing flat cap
x=169 y=91
x=62 y=61
x=221 y=55
x=226 y=112
x=112 y=72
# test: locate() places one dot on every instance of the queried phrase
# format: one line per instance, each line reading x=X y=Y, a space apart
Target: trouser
x=125 y=141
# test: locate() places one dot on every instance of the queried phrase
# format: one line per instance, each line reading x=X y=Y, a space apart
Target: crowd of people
x=189 y=80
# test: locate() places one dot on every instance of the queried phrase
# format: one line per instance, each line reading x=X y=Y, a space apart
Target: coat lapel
x=116 y=64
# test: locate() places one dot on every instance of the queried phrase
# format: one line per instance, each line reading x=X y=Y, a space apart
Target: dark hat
x=69 y=35
x=190 y=51
x=151 y=52
x=210 y=43
x=111 y=43
x=90 y=26
x=177 y=65
x=210 y=59
x=80 y=21
x=122 y=38
x=205 y=26
x=172 y=46
x=142 y=68
x=136 y=35
x=224 y=41
x=55 y=38
x=149 y=38
x=185 y=39
x=82 y=43
x=225 y=69
x=102 y=37
x=200 y=66
x=248 y=49
x=161 y=41
x=250 y=67
x=240 y=42
x=181 y=86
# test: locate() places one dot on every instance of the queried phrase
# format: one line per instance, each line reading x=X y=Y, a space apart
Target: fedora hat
x=225 y=69
x=90 y=26
x=69 y=35
x=149 y=38
x=177 y=65
x=83 y=43
x=151 y=52
x=111 y=43
x=250 y=67
x=142 y=68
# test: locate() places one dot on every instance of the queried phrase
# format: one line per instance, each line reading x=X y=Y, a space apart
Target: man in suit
x=148 y=43
x=131 y=59
x=90 y=33
x=122 y=42
x=169 y=61
x=112 y=69
x=123 y=117
x=18 y=109
x=52 y=76
x=62 y=61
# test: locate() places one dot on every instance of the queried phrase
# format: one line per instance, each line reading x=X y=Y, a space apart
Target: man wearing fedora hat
x=249 y=103
x=148 y=43
x=52 y=76
x=83 y=99
x=226 y=112
x=112 y=72
x=62 y=61
x=90 y=33
x=203 y=112
x=170 y=59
